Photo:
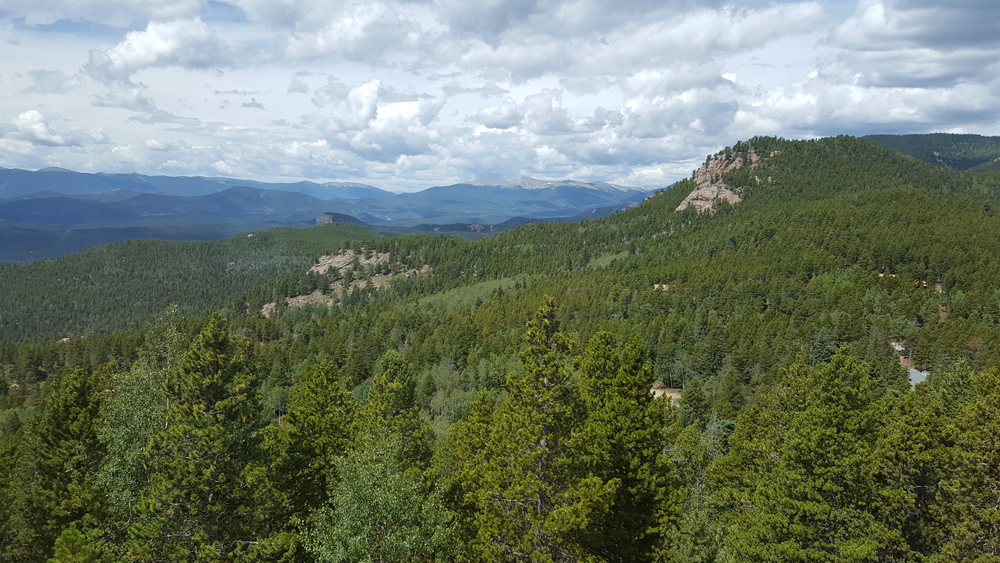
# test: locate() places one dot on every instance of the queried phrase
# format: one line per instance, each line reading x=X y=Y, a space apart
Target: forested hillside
x=961 y=152
x=125 y=284
x=497 y=406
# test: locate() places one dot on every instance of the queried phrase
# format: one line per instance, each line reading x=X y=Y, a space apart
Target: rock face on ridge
x=710 y=190
x=329 y=217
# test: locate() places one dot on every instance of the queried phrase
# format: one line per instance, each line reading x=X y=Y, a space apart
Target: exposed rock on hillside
x=336 y=218
x=362 y=263
x=342 y=261
x=710 y=190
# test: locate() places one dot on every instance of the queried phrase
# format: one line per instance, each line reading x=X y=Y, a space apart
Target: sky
x=405 y=95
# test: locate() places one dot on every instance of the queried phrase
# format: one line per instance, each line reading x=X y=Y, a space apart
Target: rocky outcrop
x=336 y=218
x=710 y=189
x=705 y=198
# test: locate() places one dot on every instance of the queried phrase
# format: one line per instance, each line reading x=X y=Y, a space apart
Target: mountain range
x=53 y=211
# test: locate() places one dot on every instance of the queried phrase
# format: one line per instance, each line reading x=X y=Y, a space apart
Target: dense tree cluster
x=463 y=414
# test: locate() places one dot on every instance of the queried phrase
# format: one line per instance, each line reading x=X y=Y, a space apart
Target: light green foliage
x=136 y=411
x=381 y=511
x=454 y=299
x=73 y=546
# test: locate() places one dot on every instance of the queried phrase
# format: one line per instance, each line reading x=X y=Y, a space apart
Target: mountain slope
x=961 y=152
x=18 y=183
x=125 y=284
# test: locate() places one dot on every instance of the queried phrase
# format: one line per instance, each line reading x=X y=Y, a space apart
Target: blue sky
x=408 y=94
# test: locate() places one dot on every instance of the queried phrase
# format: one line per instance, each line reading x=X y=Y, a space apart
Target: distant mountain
x=961 y=152
x=148 y=209
x=534 y=184
x=53 y=211
x=19 y=183
x=490 y=203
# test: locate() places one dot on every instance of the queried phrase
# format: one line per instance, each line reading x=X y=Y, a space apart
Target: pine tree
x=59 y=459
x=316 y=429
x=73 y=546
x=532 y=499
x=695 y=406
x=193 y=507
x=622 y=438
x=389 y=410
x=970 y=496
x=818 y=503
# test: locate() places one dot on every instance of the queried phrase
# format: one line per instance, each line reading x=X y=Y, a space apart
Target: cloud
x=45 y=81
x=31 y=126
x=135 y=99
x=916 y=43
x=185 y=43
x=502 y=116
x=118 y=13
x=297 y=86
x=405 y=93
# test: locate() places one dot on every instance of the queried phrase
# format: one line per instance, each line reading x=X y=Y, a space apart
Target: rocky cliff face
x=710 y=189
x=336 y=218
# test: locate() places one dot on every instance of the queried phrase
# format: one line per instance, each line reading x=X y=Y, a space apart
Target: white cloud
x=405 y=94
x=51 y=81
x=31 y=126
x=186 y=43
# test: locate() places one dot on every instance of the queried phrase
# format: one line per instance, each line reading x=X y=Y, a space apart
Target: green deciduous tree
x=381 y=511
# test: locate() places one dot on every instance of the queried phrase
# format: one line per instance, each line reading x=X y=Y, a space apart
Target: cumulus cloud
x=501 y=116
x=32 y=127
x=899 y=43
x=407 y=93
x=297 y=86
x=186 y=43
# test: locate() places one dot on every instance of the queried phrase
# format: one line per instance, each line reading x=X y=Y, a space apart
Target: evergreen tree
x=622 y=438
x=695 y=405
x=60 y=458
x=819 y=502
x=970 y=496
x=73 y=546
x=532 y=500
x=194 y=506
